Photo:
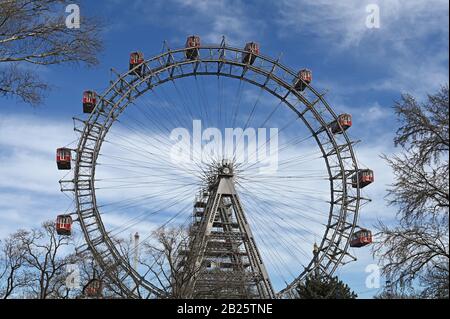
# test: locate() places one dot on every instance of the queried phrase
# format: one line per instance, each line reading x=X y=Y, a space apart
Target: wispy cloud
x=211 y=19
x=343 y=23
x=408 y=53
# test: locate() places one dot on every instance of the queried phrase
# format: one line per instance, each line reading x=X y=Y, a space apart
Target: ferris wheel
x=279 y=204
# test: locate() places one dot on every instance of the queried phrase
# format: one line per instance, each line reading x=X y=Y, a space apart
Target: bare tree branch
x=34 y=32
x=24 y=84
x=417 y=249
x=424 y=127
x=42 y=262
x=11 y=260
x=165 y=258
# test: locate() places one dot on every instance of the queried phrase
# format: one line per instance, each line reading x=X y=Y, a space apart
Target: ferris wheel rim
x=122 y=78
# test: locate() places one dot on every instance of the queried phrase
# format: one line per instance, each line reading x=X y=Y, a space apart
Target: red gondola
x=304 y=76
x=64 y=225
x=136 y=59
x=192 y=45
x=365 y=177
x=252 y=49
x=89 y=101
x=63 y=158
x=93 y=288
x=361 y=238
x=343 y=123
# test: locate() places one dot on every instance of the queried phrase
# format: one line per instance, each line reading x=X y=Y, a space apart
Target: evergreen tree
x=319 y=287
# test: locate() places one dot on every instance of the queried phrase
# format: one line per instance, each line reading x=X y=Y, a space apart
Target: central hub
x=226 y=169
x=218 y=171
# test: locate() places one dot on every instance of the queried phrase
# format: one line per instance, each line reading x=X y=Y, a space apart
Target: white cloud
x=365 y=114
x=408 y=53
x=219 y=17
x=27 y=153
x=343 y=23
x=417 y=75
x=375 y=113
x=369 y=156
x=211 y=19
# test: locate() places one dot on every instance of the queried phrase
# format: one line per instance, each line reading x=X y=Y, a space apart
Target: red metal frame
x=136 y=58
x=89 y=101
x=64 y=225
x=361 y=238
x=305 y=75
x=63 y=158
x=366 y=177
x=89 y=97
x=343 y=123
x=345 y=120
x=193 y=41
x=93 y=288
x=253 y=49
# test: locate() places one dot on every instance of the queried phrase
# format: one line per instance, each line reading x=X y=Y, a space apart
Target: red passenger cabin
x=303 y=77
x=136 y=60
x=361 y=238
x=64 y=225
x=364 y=176
x=343 y=123
x=192 y=45
x=93 y=288
x=252 y=50
x=89 y=101
x=63 y=158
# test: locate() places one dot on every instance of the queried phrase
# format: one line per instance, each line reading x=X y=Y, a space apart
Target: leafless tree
x=161 y=255
x=35 y=264
x=34 y=33
x=89 y=270
x=126 y=248
x=435 y=281
x=11 y=261
x=418 y=247
x=45 y=261
x=165 y=257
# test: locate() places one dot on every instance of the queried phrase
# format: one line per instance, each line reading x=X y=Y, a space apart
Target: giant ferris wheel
x=257 y=223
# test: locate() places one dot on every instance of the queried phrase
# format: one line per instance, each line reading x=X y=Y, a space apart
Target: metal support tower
x=222 y=248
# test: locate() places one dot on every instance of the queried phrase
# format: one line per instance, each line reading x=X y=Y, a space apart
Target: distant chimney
x=136 y=251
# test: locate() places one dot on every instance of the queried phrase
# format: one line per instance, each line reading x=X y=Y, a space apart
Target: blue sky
x=363 y=70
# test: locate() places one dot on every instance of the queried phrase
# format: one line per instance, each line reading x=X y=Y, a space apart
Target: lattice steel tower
x=222 y=249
